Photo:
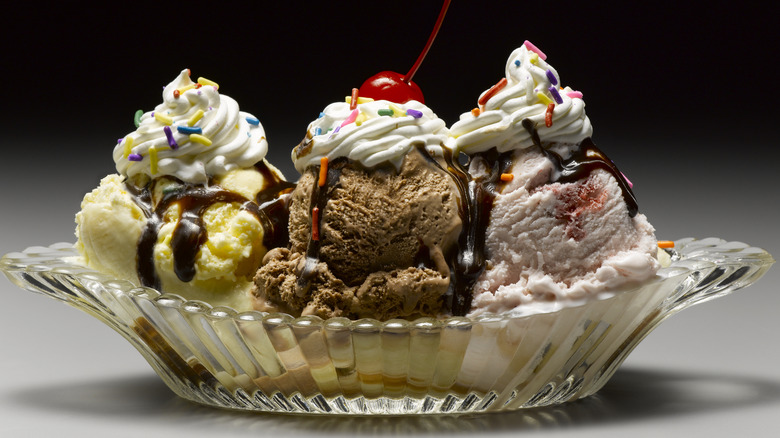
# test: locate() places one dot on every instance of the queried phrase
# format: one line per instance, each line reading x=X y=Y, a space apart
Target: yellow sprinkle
x=152 y=159
x=543 y=97
x=187 y=88
x=195 y=117
x=197 y=138
x=128 y=145
x=534 y=58
x=360 y=119
x=397 y=112
x=348 y=99
x=163 y=118
x=204 y=81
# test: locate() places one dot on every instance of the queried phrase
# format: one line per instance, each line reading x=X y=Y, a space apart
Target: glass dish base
x=277 y=363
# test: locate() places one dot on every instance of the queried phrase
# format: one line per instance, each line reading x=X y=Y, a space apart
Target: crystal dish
x=274 y=362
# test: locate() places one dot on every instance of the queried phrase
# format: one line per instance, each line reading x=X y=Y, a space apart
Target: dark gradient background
x=682 y=97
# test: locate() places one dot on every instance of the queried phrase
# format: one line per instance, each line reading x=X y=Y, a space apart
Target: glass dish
x=274 y=362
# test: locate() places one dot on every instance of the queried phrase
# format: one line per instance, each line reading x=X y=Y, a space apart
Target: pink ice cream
x=565 y=226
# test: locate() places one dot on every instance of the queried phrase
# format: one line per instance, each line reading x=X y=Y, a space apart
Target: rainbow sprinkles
x=193 y=135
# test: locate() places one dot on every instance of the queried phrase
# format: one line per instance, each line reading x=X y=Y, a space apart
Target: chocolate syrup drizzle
x=477 y=195
x=582 y=162
x=269 y=207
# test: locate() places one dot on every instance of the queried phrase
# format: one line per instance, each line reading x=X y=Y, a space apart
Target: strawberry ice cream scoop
x=563 y=223
x=552 y=243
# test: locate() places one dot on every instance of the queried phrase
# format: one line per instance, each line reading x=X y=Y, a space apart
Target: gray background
x=682 y=98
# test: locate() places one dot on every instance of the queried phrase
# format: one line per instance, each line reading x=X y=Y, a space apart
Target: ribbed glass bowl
x=274 y=362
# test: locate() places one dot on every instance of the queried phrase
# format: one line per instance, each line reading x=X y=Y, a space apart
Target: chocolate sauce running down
x=582 y=162
x=271 y=200
x=476 y=201
x=190 y=233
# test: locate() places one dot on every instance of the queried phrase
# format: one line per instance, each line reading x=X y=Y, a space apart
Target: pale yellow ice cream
x=109 y=226
x=111 y=223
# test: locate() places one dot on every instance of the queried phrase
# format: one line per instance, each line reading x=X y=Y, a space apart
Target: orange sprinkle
x=665 y=244
x=315 y=224
x=323 y=171
x=548 y=115
x=176 y=94
x=475 y=112
x=492 y=91
x=353 y=102
x=506 y=177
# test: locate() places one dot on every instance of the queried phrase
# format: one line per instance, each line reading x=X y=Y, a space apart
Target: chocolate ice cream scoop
x=370 y=242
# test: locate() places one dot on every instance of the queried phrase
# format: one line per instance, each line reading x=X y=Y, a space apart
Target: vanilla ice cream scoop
x=195 y=205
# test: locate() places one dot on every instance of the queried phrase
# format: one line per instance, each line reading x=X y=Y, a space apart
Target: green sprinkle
x=137 y=118
x=385 y=112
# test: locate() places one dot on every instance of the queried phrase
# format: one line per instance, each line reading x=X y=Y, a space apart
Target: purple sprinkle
x=119 y=140
x=414 y=113
x=556 y=95
x=169 y=135
x=552 y=78
x=134 y=157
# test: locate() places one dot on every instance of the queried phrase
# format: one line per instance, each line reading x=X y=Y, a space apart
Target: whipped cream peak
x=532 y=90
x=194 y=134
x=372 y=133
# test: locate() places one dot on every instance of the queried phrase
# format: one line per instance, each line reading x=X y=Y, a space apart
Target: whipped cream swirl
x=375 y=132
x=531 y=86
x=196 y=133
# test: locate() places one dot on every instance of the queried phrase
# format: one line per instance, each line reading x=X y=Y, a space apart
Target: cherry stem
x=408 y=77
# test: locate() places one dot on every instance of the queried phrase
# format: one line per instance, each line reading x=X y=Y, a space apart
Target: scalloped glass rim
x=275 y=362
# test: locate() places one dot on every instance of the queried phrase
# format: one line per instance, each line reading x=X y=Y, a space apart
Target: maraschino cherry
x=398 y=88
x=392 y=86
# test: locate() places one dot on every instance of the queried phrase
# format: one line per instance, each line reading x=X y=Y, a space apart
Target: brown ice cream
x=385 y=236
